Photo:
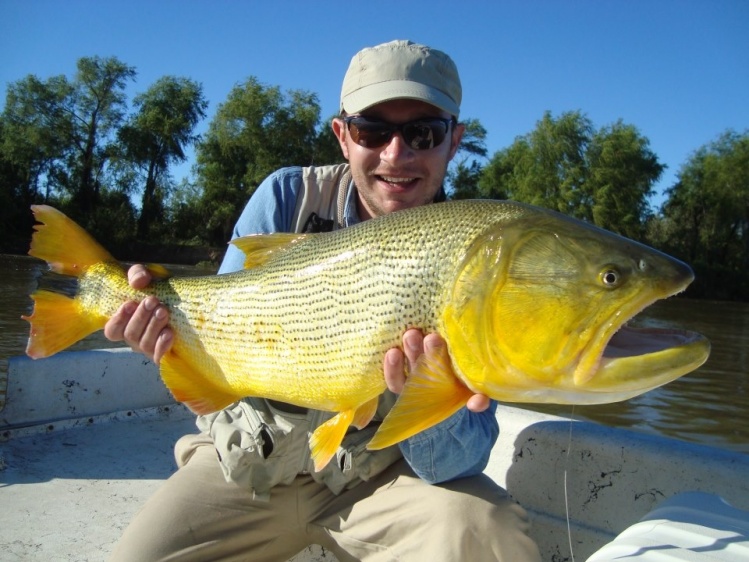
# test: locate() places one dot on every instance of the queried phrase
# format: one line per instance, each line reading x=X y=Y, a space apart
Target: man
x=245 y=488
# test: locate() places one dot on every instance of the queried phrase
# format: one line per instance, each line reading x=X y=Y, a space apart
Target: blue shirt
x=454 y=448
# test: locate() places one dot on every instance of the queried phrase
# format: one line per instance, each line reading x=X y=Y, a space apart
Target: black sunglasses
x=420 y=134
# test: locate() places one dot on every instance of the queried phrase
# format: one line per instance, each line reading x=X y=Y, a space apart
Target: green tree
x=157 y=136
x=59 y=132
x=465 y=170
x=705 y=219
x=546 y=167
x=257 y=130
x=36 y=132
x=602 y=176
x=326 y=147
x=621 y=173
x=15 y=218
x=95 y=112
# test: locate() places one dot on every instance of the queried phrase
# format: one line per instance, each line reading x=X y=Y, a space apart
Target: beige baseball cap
x=401 y=70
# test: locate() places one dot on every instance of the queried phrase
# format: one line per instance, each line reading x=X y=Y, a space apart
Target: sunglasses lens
x=422 y=134
x=369 y=134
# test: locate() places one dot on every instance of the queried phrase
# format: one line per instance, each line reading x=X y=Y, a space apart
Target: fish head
x=539 y=313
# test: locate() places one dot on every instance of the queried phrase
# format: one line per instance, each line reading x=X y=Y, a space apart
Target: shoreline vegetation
x=81 y=145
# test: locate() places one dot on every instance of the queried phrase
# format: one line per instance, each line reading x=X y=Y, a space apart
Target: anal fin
x=326 y=439
x=365 y=413
x=432 y=394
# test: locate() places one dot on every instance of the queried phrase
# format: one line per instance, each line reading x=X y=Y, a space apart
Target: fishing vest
x=262 y=443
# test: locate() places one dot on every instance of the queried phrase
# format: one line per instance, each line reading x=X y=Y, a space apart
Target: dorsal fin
x=158 y=271
x=258 y=248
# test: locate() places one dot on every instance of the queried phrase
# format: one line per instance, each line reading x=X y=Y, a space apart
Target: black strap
x=315 y=224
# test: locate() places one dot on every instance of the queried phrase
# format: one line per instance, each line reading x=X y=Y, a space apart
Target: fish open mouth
x=633 y=341
x=638 y=359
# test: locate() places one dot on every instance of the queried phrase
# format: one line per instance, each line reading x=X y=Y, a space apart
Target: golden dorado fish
x=532 y=305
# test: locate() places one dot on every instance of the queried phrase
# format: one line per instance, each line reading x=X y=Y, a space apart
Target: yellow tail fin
x=56 y=323
x=59 y=321
x=65 y=246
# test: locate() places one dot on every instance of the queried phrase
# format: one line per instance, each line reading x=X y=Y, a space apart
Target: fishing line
x=566 y=499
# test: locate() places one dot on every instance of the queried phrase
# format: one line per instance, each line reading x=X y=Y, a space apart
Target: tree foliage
x=465 y=170
x=255 y=131
x=73 y=142
x=602 y=176
x=35 y=133
x=705 y=219
x=58 y=134
x=155 y=137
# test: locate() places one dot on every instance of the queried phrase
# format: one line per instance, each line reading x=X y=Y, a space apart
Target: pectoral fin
x=432 y=394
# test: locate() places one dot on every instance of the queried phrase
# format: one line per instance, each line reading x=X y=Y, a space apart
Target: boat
x=86 y=437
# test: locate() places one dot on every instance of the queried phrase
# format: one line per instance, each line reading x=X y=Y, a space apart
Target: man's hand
x=414 y=345
x=142 y=326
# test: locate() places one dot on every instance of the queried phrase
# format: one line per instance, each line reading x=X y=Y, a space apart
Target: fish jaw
x=637 y=360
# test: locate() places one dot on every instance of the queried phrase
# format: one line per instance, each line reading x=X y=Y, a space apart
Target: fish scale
x=326 y=319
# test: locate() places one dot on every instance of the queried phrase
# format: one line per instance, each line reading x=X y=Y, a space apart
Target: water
x=710 y=405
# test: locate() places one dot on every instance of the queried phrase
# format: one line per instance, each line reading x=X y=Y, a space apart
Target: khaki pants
x=197 y=516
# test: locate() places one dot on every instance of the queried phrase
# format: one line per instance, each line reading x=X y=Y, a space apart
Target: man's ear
x=455 y=138
x=339 y=130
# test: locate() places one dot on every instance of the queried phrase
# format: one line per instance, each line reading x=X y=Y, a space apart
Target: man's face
x=395 y=176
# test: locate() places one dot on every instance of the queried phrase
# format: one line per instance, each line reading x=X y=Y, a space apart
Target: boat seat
x=692 y=526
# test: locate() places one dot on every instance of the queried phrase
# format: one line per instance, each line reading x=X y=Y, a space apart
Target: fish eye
x=610 y=278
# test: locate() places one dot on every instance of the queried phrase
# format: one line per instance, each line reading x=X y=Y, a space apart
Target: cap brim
x=368 y=96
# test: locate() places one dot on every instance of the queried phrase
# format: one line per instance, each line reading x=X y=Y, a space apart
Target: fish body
x=526 y=299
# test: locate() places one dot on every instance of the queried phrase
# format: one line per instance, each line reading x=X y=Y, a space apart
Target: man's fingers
x=395 y=366
x=478 y=403
x=138 y=276
x=413 y=346
x=156 y=320
x=433 y=343
x=163 y=344
x=114 y=329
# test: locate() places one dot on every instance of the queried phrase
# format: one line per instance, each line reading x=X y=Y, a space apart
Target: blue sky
x=677 y=70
